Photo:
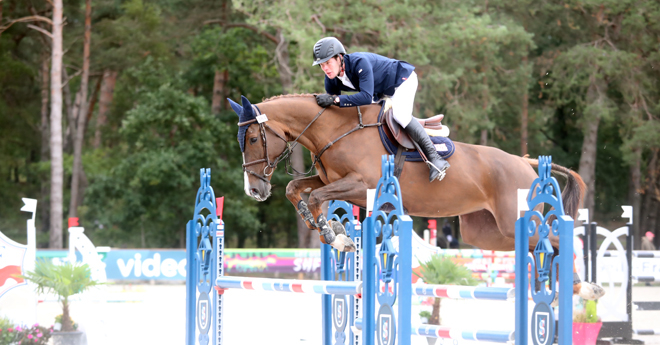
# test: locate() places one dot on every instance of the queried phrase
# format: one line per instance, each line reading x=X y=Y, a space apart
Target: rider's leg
x=402 y=107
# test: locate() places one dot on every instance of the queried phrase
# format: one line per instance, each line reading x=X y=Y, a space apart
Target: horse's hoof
x=337 y=227
x=343 y=243
x=591 y=291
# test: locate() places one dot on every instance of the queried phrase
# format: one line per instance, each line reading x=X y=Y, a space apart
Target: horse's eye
x=253 y=140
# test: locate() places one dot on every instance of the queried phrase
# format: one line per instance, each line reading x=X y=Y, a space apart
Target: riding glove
x=325 y=100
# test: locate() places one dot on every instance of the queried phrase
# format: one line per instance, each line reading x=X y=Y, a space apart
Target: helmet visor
x=319 y=61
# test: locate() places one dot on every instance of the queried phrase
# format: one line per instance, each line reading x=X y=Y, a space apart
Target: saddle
x=432 y=125
x=397 y=142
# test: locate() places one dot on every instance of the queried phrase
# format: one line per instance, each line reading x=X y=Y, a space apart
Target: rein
x=286 y=153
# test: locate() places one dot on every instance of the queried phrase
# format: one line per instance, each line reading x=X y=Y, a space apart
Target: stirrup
x=441 y=172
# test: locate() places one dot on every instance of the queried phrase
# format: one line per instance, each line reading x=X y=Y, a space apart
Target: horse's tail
x=575 y=187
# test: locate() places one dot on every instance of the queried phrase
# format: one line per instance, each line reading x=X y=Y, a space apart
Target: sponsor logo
x=543 y=324
x=385 y=329
x=152 y=267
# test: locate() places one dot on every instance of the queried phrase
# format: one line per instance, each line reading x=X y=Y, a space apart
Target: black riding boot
x=437 y=165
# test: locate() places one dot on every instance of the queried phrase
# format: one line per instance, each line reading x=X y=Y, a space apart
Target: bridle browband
x=286 y=153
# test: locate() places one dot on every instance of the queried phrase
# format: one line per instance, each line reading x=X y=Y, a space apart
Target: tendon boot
x=437 y=165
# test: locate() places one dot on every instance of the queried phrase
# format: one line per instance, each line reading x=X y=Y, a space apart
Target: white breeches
x=403 y=100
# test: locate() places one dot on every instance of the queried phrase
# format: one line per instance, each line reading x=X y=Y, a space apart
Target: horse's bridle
x=269 y=165
x=285 y=155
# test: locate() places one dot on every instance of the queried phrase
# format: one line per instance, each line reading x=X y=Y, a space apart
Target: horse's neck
x=293 y=115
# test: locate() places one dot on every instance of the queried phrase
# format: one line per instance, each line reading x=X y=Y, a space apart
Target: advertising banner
x=164 y=264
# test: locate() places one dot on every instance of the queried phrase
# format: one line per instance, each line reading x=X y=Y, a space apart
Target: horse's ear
x=248 y=112
x=237 y=107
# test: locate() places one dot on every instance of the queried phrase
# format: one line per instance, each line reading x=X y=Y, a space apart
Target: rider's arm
x=366 y=75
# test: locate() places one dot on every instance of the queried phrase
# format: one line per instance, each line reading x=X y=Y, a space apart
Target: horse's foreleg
x=351 y=187
x=303 y=185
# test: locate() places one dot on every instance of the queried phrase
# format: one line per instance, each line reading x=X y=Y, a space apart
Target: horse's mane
x=288 y=96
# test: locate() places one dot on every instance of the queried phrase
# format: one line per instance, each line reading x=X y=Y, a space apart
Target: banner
x=164 y=264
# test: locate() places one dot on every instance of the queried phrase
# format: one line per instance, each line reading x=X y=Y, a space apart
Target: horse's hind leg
x=586 y=290
x=480 y=230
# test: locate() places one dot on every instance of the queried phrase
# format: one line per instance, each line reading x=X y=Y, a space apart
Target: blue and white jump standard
x=544 y=190
x=383 y=276
x=204 y=248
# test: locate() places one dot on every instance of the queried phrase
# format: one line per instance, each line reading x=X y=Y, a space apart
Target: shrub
x=589 y=315
x=17 y=335
x=35 y=335
x=8 y=335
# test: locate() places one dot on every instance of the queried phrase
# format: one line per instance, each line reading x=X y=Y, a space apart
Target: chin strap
x=341 y=57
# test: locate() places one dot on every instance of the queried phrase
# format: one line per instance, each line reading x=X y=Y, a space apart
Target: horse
x=480 y=187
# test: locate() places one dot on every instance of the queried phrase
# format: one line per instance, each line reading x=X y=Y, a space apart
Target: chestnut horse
x=480 y=186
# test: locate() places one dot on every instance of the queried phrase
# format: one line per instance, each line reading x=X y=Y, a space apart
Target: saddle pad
x=443 y=145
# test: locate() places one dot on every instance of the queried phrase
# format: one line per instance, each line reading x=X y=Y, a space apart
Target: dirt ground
x=155 y=314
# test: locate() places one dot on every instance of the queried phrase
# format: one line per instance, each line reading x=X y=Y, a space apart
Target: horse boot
x=437 y=165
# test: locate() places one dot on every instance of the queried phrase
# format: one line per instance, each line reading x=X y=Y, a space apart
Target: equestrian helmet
x=327 y=48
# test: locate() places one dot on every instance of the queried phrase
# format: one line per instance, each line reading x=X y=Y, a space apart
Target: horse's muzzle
x=260 y=194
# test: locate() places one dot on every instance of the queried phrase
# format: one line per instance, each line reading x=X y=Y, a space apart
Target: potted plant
x=586 y=324
x=65 y=281
x=425 y=316
x=439 y=270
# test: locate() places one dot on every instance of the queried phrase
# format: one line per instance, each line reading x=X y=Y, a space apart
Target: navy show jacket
x=373 y=75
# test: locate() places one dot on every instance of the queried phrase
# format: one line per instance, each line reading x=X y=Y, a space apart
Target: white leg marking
x=246 y=181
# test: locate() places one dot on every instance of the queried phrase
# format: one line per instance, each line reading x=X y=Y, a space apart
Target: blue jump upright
x=388 y=267
x=340 y=311
x=544 y=190
x=204 y=238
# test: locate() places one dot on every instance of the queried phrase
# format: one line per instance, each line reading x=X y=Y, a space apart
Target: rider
x=374 y=76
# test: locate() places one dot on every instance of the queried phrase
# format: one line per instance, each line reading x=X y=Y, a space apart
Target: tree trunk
x=105 y=101
x=589 y=147
x=91 y=103
x=305 y=235
x=654 y=230
x=304 y=232
x=483 y=140
x=647 y=213
x=524 y=117
x=649 y=216
x=77 y=170
x=71 y=111
x=282 y=56
x=56 y=163
x=67 y=325
x=588 y=161
x=45 y=140
x=635 y=197
x=435 y=313
x=218 y=102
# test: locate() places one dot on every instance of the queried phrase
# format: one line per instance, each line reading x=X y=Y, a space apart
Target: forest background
x=109 y=108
